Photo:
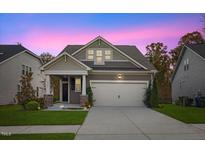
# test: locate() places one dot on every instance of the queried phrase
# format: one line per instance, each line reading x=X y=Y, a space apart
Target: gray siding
x=116 y=55
x=191 y=80
x=10 y=75
x=61 y=64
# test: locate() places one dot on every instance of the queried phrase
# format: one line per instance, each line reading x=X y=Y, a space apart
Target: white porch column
x=84 y=86
x=48 y=85
x=60 y=89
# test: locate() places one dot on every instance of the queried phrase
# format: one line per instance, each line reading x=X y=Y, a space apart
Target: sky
x=52 y=32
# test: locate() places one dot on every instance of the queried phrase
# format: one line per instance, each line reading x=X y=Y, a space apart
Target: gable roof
x=65 y=54
x=9 y=51
x=128 y=50
x=199 y=49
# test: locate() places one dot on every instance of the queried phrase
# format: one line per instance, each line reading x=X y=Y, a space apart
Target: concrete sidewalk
x=39 y=129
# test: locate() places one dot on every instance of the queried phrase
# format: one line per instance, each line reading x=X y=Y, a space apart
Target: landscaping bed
x=13 y=115
x=48 y=136
x=184 y=114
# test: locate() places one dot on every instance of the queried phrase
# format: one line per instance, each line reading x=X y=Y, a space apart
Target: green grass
x=12 y=115
x=49 y=136
x=184 y=114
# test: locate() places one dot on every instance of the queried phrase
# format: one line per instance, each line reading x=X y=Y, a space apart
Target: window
x=26 y=70
x=23 y=70
x=186 y=64
x=99 y=57
x=90 y=55
x=18 y=88
x=108 y=55
x=37 y=91
x=77 y=84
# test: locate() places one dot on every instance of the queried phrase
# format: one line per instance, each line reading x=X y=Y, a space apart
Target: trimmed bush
x=90 y=96
x=154 y=99
x=32 y=106
x=147 y=96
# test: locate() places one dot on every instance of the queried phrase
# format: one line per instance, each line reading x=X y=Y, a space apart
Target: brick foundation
x=83 y=99
x=48 y=100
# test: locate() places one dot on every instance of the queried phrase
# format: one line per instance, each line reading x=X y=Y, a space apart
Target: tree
x=46 y=57
x=27 y=92
x=158 y=55
x=189 y=38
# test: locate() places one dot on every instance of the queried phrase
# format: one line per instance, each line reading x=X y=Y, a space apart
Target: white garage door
x=118 y=94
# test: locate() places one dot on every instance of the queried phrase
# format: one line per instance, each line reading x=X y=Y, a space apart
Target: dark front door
x=65 y=92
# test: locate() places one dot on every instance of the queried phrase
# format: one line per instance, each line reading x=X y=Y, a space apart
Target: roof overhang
x=65 y=54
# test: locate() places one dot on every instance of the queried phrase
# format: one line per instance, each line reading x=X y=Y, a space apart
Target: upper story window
x=108 y=55
x=26 y=70
x=90 y=55
x=186 y=64
x=99 y=57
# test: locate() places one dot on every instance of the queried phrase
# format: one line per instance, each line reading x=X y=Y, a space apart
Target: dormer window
x=90 y=55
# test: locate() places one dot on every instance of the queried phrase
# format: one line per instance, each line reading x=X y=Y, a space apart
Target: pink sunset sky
x=52 y=32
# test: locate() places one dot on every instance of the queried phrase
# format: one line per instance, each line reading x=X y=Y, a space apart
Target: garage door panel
x=118 y=94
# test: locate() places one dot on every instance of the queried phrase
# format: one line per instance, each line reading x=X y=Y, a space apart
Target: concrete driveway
x=134 y=123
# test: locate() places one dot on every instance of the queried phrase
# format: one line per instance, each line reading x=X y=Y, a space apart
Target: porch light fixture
x=119 y=76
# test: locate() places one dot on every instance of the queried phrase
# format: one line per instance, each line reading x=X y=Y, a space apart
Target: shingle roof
x=131 y=51
x=7 y=51
x=198 y=48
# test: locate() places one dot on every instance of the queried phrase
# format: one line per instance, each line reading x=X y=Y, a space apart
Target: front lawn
x=15 y=115
x=49 y=136
x=185 y=114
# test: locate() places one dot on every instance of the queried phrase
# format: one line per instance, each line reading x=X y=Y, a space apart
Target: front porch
x=71 y=89
x=71 y=74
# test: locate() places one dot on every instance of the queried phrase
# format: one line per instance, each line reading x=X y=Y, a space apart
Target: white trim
x=65 y=54
x=68 y=89
x=119 y=81
x=99 y=37
x=61 y=90
x=60 y=72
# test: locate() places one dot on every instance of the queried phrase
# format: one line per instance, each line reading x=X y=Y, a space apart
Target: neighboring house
x=15 y=61
x=188 y=78
x=118 y=74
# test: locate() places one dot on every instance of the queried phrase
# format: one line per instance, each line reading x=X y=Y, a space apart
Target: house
x=15 y=61
x=188 y=78
x=118 y=74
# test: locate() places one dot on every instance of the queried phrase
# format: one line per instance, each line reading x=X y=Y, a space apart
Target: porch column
x=60 y=89
x=84 y=86
x=48 y=85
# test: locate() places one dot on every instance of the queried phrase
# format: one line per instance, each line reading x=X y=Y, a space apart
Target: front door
x=65 y=92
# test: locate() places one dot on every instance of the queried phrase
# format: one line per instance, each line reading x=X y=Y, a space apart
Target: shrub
x=32 y=105
x=147 y=96
x=154 y=98
x=87 y=104
x=90 y=95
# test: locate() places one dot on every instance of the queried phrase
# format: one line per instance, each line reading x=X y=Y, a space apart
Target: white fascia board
x=195 y=53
